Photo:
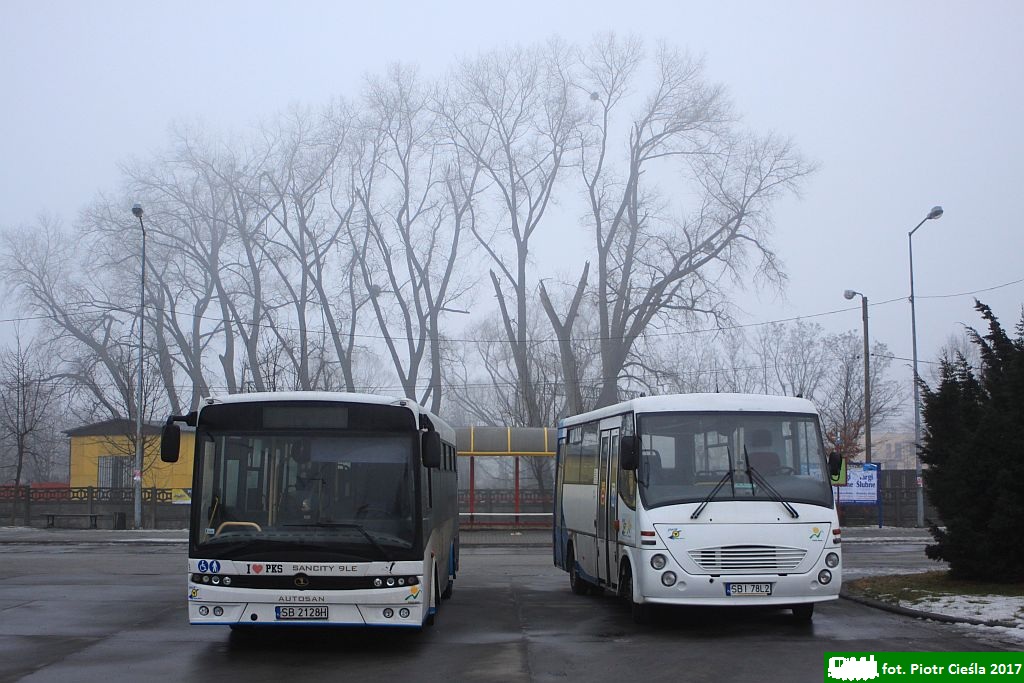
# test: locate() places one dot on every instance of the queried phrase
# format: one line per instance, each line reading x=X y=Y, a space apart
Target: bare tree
x=492 y=395
x=840 y=399
x=27 y=406
x=794 y=358
x=510 y=111
x=302 y=240
x=82 y=310
x=415 y=197
x=659 y=264
x=697 y=362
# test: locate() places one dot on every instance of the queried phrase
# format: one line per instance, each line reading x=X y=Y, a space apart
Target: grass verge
x=910 y=589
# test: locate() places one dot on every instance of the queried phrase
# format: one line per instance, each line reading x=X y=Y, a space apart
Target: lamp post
x=137 y=475
x=849 y=294
x=936 y=212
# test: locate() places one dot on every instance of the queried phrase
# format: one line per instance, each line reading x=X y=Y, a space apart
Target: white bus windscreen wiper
x=759 y=479
x=714 y=492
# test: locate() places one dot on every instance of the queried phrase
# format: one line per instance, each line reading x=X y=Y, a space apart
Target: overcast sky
x=903 y=106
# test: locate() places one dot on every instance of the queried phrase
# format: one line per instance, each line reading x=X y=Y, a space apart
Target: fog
x=897 y=108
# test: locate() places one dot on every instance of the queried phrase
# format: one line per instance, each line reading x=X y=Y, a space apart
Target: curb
x=919 y=614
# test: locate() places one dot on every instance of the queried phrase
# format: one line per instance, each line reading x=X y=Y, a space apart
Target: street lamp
x=936 y=212
x=849 y=294
x=137 y=211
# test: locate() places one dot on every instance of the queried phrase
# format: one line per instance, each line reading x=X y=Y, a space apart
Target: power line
x=547 y=340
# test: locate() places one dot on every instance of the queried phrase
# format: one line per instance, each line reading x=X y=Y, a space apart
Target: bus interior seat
x=763 y=461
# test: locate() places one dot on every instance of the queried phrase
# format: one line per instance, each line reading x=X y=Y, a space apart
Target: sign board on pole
x=861 y=484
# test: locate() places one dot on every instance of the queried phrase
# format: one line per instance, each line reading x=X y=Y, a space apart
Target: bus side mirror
x=170 y=442
x=431 y=449
x=629 y=453
x=835 y=464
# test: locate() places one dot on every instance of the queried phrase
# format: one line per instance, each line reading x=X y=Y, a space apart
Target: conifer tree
x=974 y=449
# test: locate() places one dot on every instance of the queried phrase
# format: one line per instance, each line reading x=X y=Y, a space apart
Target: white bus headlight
x=824 y=577
x=227 y=580
x=203 y=610
x=668 y=579
x=404 y=612
x=658 y=562
x=832 y=560
x=388 y=612
x=218 y=611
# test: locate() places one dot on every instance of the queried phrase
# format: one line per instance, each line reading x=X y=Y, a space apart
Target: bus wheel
x=803 y=613
x=641 y=613
x=578 y=585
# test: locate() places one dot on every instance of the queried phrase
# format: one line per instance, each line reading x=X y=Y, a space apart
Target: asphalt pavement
x=903 y=537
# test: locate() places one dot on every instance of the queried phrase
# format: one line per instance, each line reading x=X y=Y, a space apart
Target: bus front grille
x=743 y=559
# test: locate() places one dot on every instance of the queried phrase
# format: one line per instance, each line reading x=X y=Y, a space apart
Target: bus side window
x=589 y=454
x=571 y=457
x=627 y=488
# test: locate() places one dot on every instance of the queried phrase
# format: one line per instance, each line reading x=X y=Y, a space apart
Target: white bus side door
x=607 y=508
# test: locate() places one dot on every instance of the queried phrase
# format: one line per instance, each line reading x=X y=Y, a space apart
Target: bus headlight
x=388 y=612
x=824 y=577
x=227 y=580
x=204 y=610
x=668 y=579
x=404 y=612
x=218 y=611
x=832 y=560
x=658 y=562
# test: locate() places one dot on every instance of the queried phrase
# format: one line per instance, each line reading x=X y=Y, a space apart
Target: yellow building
x=103 y=455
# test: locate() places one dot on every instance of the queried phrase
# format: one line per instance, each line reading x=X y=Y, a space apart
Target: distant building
x=894 y=450
x=103 y=455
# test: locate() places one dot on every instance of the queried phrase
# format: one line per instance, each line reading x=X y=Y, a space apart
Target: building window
x=115 y=472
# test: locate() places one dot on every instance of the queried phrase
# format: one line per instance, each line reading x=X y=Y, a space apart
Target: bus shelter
x=506 y=476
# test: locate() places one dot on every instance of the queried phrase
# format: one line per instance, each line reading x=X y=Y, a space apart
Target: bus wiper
x=714 y=492
x=759 y=479
x=342 y=525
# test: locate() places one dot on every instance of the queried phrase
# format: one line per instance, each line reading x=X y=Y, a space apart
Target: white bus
x=698 y=499
x=319 y=508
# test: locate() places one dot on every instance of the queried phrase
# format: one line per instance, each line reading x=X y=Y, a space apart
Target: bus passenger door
x=607 y=508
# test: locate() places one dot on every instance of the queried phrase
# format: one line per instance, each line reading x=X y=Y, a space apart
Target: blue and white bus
x=319 y=508
x=699 y=499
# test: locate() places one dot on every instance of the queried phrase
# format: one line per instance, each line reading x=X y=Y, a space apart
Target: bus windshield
x=349 y=494
x=685 y=455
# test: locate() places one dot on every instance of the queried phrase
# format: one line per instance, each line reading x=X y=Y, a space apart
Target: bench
x=52 y=517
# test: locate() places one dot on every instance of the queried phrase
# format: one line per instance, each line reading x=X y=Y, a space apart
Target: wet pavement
x=87 y=606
